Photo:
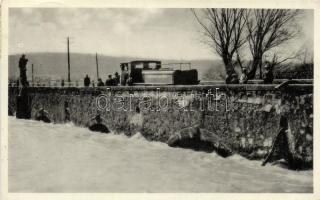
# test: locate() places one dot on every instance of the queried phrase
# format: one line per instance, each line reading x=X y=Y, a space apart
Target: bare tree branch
x=268 y=29
x=225 y=29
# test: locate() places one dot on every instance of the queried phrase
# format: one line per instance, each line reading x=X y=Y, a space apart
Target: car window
x=152 y=65
x=139 y=66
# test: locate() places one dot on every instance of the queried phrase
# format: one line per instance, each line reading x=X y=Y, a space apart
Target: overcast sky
x=146 y=33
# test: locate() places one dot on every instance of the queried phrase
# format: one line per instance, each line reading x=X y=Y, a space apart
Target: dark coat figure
x=110 y=81
x=23 y=70
x=129 y=81
x=100 y=83
x=124 y=75
x=62 y=83
x=86 y=81
x=243 y=77
x=268 y=75
x=116 y=78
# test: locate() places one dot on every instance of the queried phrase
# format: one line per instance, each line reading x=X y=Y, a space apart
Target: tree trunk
x=228 y=66
x=257 y=62
x=260 y=73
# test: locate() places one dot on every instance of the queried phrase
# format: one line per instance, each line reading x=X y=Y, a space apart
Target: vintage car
x=152 y=72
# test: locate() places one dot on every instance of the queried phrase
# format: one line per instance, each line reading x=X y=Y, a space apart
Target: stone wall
x=245 y=116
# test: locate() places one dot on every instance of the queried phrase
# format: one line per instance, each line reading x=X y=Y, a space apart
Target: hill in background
x=54 y=66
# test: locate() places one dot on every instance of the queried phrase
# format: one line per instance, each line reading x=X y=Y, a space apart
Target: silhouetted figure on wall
x=129 y=81
x=22 y=100
x=110 y=81
x=86 y=81
x=243 y=77
x=116 y=78
x=124 y=74
x=268 y=74
x=23 y=70
x=62 y=83
x=100 y=83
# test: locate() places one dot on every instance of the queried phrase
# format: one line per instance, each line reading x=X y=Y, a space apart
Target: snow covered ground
x=64 y=158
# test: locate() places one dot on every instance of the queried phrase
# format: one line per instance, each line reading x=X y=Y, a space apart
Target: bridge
x=246 y=118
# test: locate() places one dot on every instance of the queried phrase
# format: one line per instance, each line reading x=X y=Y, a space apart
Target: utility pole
x=68 y=61
x=97 y=64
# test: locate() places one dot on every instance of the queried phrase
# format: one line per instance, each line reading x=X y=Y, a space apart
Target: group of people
x=267 y=76
x=123 y=79
x=111 y=81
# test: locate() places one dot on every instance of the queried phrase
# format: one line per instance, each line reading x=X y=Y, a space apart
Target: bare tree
x=224 y=29
x=267 y=29
x=305 y=53
x=275 y=59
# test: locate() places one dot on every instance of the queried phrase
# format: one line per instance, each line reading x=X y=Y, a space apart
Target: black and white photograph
x=160 y=100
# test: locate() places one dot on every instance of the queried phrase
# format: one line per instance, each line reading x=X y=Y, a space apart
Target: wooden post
x=68 y=61
x=97 y=64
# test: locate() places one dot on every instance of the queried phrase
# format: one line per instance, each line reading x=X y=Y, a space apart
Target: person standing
x=109 y=81
x=268 y=74
x=100 y=83
x=86 y=81
x=23 y=70
x=124 y=74
x=116 y=78
x=243 y=77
